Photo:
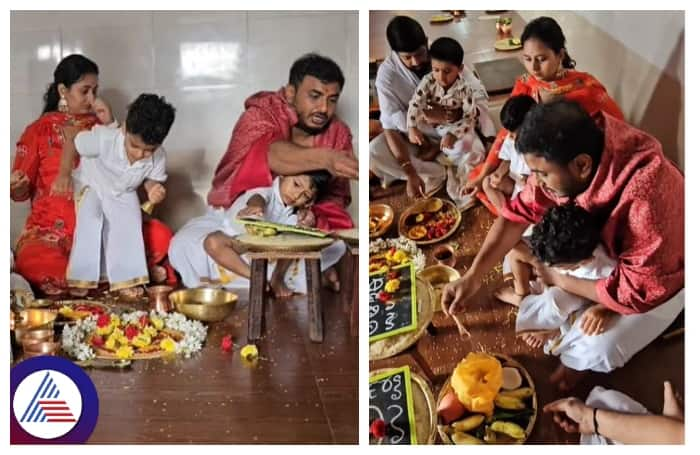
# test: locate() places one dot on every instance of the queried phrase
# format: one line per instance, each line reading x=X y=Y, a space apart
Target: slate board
x=398 y=316
x=391 y=400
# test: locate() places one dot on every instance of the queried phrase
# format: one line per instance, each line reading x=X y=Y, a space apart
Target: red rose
x=378 y=428
x=384 y=296
x=97 y=340
x=227 y=343
x=103 y=320
x=131 y=331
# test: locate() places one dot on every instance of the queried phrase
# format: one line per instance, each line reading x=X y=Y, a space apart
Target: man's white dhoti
x=610 y=400
x=196 y=268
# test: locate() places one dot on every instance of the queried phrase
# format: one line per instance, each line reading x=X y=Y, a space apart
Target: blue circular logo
x=53 y=401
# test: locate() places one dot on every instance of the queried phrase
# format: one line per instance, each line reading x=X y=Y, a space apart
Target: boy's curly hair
x=566 y=234
x=150 y=117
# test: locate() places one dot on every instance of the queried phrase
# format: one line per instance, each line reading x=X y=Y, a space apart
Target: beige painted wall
x=205 y=63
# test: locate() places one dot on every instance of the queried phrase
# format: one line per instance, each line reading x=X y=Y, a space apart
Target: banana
x=469 y=423
x=464 y=438
x=511 y=429
x=506 y=402
x=523 y=392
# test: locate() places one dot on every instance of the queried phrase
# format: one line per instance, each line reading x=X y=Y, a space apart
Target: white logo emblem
x=47 y=404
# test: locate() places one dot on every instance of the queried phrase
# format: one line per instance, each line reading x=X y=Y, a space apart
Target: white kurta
x=519 y=169
x=108 y=237
x=197 y=268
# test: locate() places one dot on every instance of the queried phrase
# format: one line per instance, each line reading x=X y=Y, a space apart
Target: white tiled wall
x=205 y=63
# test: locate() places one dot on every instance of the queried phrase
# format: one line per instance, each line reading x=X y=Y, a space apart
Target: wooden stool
x=258 y=284
x=351 y=299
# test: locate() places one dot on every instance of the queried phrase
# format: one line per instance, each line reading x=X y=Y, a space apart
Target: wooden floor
x=492 y=326
x=301 y=392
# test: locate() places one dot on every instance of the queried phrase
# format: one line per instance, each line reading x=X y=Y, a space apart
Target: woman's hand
x=103 y=111
x=19 y=183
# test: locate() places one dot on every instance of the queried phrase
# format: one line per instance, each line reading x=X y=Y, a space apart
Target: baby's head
x=566 y=236
x=302 y=190
x=513 y=112
x=148 y=122
x=446 y=56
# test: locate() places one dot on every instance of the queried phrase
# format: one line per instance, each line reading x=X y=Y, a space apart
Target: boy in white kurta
x=460 y=143
x=108 y=238
x=510 y=176
x=204 y=251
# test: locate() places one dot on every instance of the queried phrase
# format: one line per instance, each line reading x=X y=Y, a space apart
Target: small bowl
x=384 y=216
x=34 y=336
x=204 y=304
x=41 y=348
x=158 y=297
x=438 y=276
x=36 y=318
x=445 y=255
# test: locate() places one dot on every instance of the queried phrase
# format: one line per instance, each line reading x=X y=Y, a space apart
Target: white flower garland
x=401 y=243
x=76 y=343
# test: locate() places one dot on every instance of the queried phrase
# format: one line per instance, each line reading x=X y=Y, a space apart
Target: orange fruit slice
x=417 y=232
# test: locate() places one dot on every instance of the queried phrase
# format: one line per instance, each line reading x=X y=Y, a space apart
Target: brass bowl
x=41 y=348
x=204 y=304
x=438 y=276
x=430 y=205
x=34 y=336
x=384 y=216
x=36 y=318
x=41 y=303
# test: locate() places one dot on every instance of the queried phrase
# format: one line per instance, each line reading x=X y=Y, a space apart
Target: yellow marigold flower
x=110 y=343
x=141 y=341
x=150 y=331
x=249 y=352
x=125 y=352
x=168 y=345
x=399 y=256
x=157 y=323
x=124 y=341
x=65 y=311
x=392 y=285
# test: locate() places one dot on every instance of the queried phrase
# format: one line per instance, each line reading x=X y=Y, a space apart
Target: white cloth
x=395 y=86
x=519 y=169
x=108 y=237
x=105 y=167
x=197 y=268
x=610 y=400
x=550 y=309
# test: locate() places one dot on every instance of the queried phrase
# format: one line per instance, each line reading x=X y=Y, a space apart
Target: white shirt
x=104 y=165
x=518 y=166
x=598 y=267
x=275 y=209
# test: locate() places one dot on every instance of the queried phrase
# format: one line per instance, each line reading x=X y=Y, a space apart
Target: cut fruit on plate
x=417 y=232
x=511 y=378
x=507 y=44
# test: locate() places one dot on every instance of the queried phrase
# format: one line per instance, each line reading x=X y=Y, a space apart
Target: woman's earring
x=62 y=105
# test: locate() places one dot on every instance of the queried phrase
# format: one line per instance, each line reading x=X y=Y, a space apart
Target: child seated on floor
x=459 y=141
x=287 y=201
x=114 y=162
x=510 y=176
x=568 y=238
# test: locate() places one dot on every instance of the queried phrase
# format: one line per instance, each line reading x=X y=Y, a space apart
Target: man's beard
x=421 y=70
x=310 y=129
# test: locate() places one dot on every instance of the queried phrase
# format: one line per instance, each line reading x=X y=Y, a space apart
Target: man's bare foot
x=538 y=339
x=133 y=293
x=280 y=289
x=672 y=402
x=158 y=274
x=331 y=280
x=78 y=292
x=506 y=294
x=565 y=378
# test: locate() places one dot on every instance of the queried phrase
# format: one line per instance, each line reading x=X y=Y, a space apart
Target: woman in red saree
x=550 y=75
x=38 y=175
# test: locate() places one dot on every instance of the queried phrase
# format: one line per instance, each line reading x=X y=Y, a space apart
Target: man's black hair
x=405 y=34
x=318 y=66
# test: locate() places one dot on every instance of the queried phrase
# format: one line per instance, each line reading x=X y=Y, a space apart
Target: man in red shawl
x=620 y=174
x=288 y=132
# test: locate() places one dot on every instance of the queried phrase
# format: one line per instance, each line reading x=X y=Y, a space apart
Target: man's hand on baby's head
x=342 y=165
x=156 y=194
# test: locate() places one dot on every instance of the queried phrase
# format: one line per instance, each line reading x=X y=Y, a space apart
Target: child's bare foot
x=133 y=293
x=507 y=294
x=537 y=339
x=331 y=280
x=158 y=274
x=672 y=402
x=565 y=378
x=78 y=292
x=279 y=289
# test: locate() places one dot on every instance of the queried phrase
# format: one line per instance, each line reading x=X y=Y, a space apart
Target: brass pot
x=41 y=348
x=35 y=336
x=445 y=255
x=382 y=216
x=158 y=297
x=204 y=304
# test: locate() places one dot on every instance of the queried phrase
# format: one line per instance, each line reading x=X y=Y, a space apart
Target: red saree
x=269 y=118
x=573 y=86
x=640 y=193
x=44 y=245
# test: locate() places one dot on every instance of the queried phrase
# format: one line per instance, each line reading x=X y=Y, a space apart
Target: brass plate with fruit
x=430 y=221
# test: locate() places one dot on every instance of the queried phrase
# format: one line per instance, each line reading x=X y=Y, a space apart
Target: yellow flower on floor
x=157 y=322
x=125 y=352
x=168 y=345
x=141 y=340
x=249 y=352
x=392 y=285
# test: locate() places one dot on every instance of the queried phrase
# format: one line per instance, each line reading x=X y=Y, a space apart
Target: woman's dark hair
x=319 y=181
x=514 y=111
x=566 y=234
x=447 y=50
x=150 y=117
x=68 y=71
x=559 y=131
x=548 y=31
x=318 y=66
x=405 y=34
